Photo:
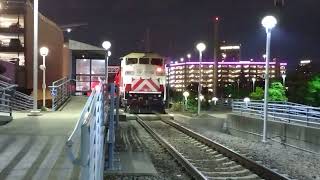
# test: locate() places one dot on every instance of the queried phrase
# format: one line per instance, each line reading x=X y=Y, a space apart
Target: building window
x=89 y=73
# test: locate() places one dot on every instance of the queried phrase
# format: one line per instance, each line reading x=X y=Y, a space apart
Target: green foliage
x=277 y=92
x=313 y=94
x=177 y=106
x=192 y=105
x=258 y=94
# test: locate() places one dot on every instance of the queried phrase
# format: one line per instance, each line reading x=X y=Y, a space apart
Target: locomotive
x=141 y=81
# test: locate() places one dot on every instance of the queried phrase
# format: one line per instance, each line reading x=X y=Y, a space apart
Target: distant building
x=230 y=53
x=181 y=75
x=306 y=69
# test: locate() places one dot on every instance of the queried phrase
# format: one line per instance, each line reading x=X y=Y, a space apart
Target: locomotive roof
x=142 y=55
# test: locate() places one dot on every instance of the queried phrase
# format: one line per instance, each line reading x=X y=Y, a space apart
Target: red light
x=217 y=18
x=159 y=69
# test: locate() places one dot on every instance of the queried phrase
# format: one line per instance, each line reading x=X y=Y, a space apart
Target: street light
x=284 y=79
x=268 y=22
x=253 y=83
x=106 y=45
x=200 y=47
x=44 y=51
x=215 y=100
x=246 y=100
x=189 y=57
x=69 y=30
x=181 y=59
x=201 y=97
x=186 y=94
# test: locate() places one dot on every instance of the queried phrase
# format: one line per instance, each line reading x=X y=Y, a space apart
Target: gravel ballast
x=166 y=166
x=296 y=163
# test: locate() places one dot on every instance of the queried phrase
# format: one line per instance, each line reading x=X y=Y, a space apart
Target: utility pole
x=215 y=55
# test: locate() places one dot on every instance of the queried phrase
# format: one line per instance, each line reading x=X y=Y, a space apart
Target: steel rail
x=259 y=169
x=184 y=162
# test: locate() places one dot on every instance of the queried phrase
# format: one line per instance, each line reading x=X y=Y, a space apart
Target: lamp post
x=189 y=56
x=246 y=100
x=284 y=79
x=200 y=47
x=35 y=111
x=268 y=22
x=215 y=100
x=106 y=45
x=253 y=83
x=186 y=94
x=44 y=52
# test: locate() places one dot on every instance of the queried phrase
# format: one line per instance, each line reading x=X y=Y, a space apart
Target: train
x=142 y=83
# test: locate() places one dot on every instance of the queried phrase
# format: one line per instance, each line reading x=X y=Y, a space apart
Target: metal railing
x=18 y=100
x=280 y=111
x=61 y=91
x=6 y=95
x=90 y=129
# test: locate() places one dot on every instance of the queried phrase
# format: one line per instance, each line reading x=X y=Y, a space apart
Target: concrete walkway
x=34 y=147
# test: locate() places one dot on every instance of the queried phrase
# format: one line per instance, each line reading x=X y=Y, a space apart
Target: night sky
x=176 y=25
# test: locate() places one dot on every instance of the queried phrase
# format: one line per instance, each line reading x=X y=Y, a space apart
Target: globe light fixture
x=269 y=22
x=215 y=100
x=106 y=45
x=69 y=30
x=201 y=47
x=186 y=94
x=246 y=100
x=44 y=51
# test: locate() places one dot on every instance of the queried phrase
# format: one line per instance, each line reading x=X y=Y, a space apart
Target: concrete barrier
x=304 y=137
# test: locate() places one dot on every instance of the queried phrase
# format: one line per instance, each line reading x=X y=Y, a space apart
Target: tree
x=313 y=94
x=258 y=94
x=277 y=92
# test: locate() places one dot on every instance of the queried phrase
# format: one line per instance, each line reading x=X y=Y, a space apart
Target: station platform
x=34 y=147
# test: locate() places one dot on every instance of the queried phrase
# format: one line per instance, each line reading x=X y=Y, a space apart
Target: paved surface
x=34 y=147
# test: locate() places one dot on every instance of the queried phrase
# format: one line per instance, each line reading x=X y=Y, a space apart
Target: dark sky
x=176 y=25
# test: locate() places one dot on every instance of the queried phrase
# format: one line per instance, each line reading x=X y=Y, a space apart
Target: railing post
x=111 y=136
x=84 y=152
x=117 y=106
x=307 y=116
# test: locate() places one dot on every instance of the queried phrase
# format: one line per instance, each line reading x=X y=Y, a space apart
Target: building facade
x=16 y=44
x=232 y=73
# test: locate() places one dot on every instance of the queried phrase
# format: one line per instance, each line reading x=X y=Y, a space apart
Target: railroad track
x=203 y=158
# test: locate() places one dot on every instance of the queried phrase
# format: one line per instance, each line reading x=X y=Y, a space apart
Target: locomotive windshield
x=156 y=61
x=131 y=61
x=144 y=61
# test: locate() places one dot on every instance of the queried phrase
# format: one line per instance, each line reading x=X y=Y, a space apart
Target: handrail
x=61 y=91
x=19 y=101
x=6 y=94
x=280 y=111
x=90 y=129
